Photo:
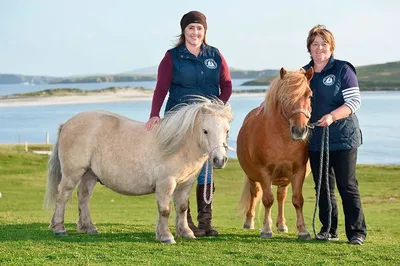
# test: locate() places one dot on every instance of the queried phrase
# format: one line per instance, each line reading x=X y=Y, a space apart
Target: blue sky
x=79 y=37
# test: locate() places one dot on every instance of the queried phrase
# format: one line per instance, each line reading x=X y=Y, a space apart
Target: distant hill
x=21 y=79
x=370 y=77
x=235 y=73
x=102 y=78
x=252 y=74
x=143 y=74
x=75 y=92
x=146 y=71
x=380 y=76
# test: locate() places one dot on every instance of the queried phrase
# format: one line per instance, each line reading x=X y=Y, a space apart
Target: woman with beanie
x=192 y=68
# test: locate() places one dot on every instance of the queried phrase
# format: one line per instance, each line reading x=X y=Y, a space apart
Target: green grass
x=127 y=224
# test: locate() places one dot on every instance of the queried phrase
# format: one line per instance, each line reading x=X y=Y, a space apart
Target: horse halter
x=306 y=112
x=224 y=145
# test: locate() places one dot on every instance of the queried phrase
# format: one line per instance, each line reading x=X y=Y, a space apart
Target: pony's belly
x=282 y=181
x=132 y=191
x=129 y=186
x=282 y=173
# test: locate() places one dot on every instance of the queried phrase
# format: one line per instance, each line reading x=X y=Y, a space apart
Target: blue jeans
x=202 y=176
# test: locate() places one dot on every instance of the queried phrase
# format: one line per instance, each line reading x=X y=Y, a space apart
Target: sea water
x=378 y=120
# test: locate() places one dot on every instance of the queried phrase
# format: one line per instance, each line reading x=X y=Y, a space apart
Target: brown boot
x=205 y=210
x=196 y=231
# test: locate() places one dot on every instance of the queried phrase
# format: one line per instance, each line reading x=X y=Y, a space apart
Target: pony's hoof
x=168 y=241
x=61 y=233
x=190 y=236
x=187 y=236
x=306 y=236
x=283 y=229
x=93 y=232
x=266 y=235
x=248 y=226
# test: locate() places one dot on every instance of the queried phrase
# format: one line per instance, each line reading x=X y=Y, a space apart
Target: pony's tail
x=249 y=187
x=53 y=175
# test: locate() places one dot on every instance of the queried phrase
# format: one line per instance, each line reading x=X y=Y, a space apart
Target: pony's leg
x=268 y=200
x=298 y=201
x=281 y=221
x=65 y=188
x=181 y=199
x=85 y=190
x=164 y=192
x=254 y=190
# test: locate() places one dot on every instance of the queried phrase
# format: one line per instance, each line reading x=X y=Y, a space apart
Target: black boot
x=205 y=210
x=196 y=231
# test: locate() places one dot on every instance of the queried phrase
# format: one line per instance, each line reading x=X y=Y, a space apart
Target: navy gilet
x=327 y=90
x=194 y=76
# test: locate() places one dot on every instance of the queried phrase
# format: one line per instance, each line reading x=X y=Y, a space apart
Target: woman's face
x=320 y=50
x=194 y=34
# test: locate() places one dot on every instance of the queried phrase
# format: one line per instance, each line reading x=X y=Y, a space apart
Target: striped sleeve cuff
x=352 y=98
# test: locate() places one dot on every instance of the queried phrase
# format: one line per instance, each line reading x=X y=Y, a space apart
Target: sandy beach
x=121 y=96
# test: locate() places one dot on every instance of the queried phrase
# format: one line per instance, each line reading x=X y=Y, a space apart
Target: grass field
x=127 y=224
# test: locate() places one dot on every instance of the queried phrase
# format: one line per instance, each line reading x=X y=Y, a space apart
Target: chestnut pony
x=272 y=150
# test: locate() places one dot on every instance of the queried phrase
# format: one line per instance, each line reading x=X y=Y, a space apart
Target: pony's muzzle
x=219 y=162
x=298 y=133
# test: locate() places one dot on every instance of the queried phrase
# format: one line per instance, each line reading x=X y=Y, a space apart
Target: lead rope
x=208 y=201
x=324 y=149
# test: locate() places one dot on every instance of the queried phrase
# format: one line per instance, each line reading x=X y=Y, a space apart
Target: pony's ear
x=283 y=72
x=205 y=109
x=310 y=73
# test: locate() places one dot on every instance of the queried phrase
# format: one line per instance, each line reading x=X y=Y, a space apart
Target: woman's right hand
x=151 y=122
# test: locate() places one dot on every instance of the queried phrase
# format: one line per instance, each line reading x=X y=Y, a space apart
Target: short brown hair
x=324 y=33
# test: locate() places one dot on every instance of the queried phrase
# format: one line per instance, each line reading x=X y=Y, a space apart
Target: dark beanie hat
x=193 y=17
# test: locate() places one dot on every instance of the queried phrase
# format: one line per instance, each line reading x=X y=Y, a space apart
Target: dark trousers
x=342 y=169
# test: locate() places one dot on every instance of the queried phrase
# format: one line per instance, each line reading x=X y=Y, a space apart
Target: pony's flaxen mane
x=178 y=123
x=286 y=91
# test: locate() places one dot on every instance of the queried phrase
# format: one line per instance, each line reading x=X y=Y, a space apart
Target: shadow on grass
x=114 y=232
x=41 y=232
x=278 y=238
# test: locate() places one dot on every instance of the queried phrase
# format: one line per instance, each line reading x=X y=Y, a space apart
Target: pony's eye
x=205 y=131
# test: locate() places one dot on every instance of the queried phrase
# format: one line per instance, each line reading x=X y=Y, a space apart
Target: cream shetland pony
x=121 y=154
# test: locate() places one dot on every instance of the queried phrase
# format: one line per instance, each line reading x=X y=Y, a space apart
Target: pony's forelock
x=286 y=91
